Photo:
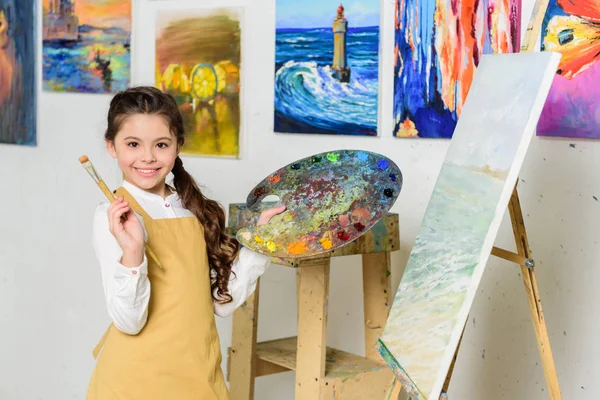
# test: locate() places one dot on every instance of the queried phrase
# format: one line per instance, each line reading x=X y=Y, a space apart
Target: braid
x=222 y=249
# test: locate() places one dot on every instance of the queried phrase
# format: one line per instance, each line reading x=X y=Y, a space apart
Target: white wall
x=51 y=301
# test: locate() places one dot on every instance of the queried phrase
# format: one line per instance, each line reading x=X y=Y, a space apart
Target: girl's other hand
x=126 y=228
x=266 y=215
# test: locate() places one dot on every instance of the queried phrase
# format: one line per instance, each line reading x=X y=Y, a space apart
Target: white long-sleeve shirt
x=127 y=289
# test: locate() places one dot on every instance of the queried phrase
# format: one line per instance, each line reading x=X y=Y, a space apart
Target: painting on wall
x=198 y=61
x=572 y=28
x=464 y=213
x=86 y=45
x=18 y=105
x=438 y=45
x=326 y=63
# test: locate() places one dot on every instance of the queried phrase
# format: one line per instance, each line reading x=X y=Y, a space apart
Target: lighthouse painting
x=326 y=63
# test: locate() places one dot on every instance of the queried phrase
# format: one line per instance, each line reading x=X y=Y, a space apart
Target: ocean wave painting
x=438 y=45
x=470 y=197
x=327 y=63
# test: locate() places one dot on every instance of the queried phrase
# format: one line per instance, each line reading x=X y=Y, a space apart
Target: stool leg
x=312 y=328
x=242 y=358
x=377 y=288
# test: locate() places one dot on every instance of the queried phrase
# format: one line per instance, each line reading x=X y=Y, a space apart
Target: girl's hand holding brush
x=128 y=230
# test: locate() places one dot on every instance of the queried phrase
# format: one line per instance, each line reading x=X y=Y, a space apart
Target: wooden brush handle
x=109 y=195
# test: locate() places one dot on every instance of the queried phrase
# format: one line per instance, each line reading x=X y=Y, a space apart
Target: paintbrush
x=87 y=164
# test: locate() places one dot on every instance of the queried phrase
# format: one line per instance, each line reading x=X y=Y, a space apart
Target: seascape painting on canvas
x=198 y=61
x=327 y=67
x=438 y=45
x=572 y=28
x=18 y=106
x=86 y=45
x=462 y=218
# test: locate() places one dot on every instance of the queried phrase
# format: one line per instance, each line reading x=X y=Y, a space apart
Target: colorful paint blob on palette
x=332 y=199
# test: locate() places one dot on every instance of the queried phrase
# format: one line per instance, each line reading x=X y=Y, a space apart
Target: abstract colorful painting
x=18 y=105
x=331 y=198
x=198 y=61
x=462 y=218
x=572 y=28
x=326 y=62
x=86 y=45
x=438 y=45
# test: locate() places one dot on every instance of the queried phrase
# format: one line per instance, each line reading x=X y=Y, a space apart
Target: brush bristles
x=83 y=159
x=91 y=170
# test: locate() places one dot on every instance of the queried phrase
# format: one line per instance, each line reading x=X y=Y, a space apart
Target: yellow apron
x=177 y=355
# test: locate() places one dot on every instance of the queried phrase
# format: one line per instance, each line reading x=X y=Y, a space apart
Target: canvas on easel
x=462 y=219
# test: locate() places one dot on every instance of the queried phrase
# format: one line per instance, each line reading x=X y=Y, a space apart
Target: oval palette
x=331 y=198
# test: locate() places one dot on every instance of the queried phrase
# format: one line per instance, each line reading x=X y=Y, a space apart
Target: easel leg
x=535 y=304
x=242 y=358
x=444 y=394
x=312 y=328
x=377 y=287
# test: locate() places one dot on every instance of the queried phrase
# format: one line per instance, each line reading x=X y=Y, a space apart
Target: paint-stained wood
x=394 y=391
x=338 y=363
x=312 y=329
x=321 y=372
x=241 y=365
x=377 y=288
x=347 y=376
x=383 y=237
x=366 y=385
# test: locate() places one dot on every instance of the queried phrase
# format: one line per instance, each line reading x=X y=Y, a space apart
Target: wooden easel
x=523 y=255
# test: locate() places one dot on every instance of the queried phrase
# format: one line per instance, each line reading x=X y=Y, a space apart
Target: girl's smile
x=147 y=173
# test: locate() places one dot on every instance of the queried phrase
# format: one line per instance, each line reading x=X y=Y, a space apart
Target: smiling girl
x=163 y=341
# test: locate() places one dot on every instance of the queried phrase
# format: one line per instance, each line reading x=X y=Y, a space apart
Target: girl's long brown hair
x=221 y=248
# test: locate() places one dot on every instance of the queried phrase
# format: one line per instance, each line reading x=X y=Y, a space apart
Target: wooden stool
x=321 y=372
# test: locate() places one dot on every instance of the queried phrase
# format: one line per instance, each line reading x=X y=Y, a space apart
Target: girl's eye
x=132 y=144
x=162 y=145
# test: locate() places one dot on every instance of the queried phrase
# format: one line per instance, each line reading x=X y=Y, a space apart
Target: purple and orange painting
x=438 y=47
x=572 y=28
x=331 y=198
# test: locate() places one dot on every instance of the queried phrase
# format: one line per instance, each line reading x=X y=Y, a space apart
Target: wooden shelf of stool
x=345 y=373
x=322 y=373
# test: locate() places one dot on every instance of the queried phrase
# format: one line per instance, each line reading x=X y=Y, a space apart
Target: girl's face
x=146 y=151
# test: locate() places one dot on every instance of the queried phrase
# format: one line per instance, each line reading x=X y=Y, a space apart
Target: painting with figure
x=198 y=61
x=326 y=63
x=18 y=106
x=438 y=45
x=462 y=218
x=86 y=45
x=572 y=28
